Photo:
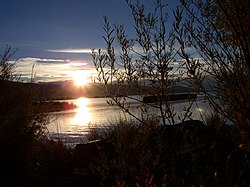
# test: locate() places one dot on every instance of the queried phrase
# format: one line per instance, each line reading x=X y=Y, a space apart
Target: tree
x=146 y=63
x=218 y=33
x=234 y=17
x=7 y=68
x=213 y=49
x=21 y=124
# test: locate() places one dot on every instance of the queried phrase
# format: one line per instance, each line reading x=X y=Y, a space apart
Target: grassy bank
x=126 y=154
x=130 y=154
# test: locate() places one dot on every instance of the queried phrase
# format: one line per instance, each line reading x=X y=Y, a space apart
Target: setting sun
x=80 y=78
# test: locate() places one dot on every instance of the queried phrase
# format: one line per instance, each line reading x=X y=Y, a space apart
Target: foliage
x=49 y=163
x=211 y=37
x=217 y=32
x=234 y=16
x=147 y=63
x=21 y=123
x=187 y=154
x=7 y=68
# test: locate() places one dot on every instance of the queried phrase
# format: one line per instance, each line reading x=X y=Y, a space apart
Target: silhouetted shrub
x=185 y=154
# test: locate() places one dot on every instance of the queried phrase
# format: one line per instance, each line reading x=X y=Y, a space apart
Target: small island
x=170 y=97
x=55 y=106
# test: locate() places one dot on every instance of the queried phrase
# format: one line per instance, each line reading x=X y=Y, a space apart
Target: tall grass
x=188 y=154
x=28 y=157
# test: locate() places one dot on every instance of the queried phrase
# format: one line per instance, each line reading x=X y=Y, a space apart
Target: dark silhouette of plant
x=211 y=37
x=21 y=124
x=7 y=68
x=218 y=33
x=146 y=64
x=186 y=154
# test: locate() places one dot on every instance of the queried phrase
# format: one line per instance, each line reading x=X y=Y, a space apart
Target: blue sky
x=56 y=35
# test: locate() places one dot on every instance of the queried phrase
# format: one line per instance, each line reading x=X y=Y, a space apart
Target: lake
x=71 y=126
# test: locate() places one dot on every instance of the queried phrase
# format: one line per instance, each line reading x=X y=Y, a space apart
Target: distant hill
x=55 y=90
x=68 y=90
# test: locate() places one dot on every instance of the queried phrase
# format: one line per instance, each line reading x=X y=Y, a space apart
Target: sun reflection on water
x=83 y=116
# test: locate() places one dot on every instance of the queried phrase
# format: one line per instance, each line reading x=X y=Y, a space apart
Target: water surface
x=74 y=124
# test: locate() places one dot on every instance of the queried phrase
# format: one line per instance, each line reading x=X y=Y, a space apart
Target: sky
x=56 y=35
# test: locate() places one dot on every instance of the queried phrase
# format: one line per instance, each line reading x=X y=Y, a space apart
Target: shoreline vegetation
x=211 y=40
x=62 y=105
x=51 y=98
x=192 y=153
x=65 y=90
x=55 y=106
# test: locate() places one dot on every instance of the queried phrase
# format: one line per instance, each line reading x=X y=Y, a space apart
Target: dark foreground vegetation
x=187 y=154
x=215 y=152
x=128 y=154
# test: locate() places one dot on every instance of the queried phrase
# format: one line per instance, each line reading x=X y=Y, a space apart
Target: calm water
x=72 y=125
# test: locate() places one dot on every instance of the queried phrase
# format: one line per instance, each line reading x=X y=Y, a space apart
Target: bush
x=186 y=154
x=21 y=124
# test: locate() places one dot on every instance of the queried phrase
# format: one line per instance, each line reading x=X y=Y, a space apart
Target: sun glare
x=83 y=116
x=80 y=78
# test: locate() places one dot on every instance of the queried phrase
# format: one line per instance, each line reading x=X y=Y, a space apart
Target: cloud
x=50 y=69
x=43 y=60
x=44 y=68
x=80 y=66
x=70 y=50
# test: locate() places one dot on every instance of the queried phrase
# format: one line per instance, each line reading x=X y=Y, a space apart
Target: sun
x=80 y=78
